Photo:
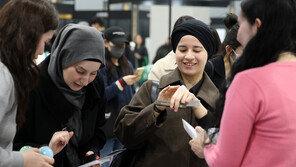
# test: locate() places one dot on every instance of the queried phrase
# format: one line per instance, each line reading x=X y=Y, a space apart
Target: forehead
x=87 y=63
x=189 y=40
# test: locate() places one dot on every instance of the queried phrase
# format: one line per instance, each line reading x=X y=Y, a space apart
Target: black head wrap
x=197 y=29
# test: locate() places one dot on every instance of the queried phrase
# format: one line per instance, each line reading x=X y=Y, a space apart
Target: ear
x=228 y=49
x=258 y=23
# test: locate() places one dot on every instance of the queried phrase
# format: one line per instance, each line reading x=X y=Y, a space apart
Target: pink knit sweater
x=258 y=126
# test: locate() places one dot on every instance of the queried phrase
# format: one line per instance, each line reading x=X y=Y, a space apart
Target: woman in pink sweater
x=258 y=126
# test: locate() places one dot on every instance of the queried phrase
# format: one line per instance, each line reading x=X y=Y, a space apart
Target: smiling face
x=80 y=74
x=191 y=56
x=45 y=38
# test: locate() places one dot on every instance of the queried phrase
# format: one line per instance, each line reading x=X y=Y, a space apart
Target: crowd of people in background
x=86 y=97
x=119 y=80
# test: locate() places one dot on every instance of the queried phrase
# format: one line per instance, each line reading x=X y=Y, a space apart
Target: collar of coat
x=208 y=91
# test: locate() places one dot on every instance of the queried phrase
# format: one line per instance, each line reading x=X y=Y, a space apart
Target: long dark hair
x=275 y=35
x=123 y=62
x=230 y=20
x=230 y=38
x=22 y=24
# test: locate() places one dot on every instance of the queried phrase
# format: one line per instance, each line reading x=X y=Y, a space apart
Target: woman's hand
x=200 y=111
x=89 y=153
x=166 y=93
x=59 y=140
x=137 y=55
x=131 y=79
x=33 y=157
x=198 y=144
x=182 y=95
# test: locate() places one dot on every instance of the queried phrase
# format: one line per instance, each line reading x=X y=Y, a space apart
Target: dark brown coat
x=164 y=142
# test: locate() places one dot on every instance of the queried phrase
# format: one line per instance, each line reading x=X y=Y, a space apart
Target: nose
x=85 y=80
x=189 y=55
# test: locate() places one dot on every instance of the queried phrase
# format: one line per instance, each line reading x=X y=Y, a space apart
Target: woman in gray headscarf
x=70 y=96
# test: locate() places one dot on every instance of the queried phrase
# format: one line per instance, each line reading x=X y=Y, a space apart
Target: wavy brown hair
x=22 y=24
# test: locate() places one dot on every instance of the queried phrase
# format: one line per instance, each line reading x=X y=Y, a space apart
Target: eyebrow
x=183 y=46
x=86 y=70
x=81 y=67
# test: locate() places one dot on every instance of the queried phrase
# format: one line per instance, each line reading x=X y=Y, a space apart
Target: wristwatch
x=159 y=111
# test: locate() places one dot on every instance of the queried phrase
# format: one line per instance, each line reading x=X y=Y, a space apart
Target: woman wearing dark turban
x=158 y=131
x=70 y=96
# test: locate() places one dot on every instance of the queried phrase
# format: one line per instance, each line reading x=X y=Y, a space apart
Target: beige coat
x=163 y=66
x=164 y=140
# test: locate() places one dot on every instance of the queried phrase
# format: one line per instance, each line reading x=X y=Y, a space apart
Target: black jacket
x=49 y=111
x=216 y=70
x=142 y=50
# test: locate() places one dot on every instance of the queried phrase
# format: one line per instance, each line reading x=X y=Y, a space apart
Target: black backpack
x=127 y=157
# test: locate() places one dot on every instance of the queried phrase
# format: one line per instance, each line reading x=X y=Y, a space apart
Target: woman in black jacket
x=70 y=96
x=141 y=52
x=220 y=66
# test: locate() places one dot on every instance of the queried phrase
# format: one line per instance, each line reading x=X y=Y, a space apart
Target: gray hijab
x=73 y=44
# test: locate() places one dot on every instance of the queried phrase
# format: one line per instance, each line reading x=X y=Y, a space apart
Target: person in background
x=140 y=52
x=98 y=23
x=21 y=41
x=84 y=23
x=70 y=96
x=47 y=49
x=119 y=79
x=218 y=41
x=230 y=20
x=258 y=126
x=228 y=51
x=129 y=51
x=163 y=50
x=157 y=131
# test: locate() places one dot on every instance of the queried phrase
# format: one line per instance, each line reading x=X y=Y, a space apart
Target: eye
x=182 y=50
x=79 y=71
x=94 y=73
x=196 y=51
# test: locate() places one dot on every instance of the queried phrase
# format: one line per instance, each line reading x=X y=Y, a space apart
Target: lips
x=77 y=85
x=189 y=64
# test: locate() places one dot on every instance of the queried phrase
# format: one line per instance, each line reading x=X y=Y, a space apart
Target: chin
x=190 y=72
x=75 y=89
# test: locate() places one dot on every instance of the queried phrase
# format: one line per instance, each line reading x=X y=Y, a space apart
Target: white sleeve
x=11 y=158
x=8 y=158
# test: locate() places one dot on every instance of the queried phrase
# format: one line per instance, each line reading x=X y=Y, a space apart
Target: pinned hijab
x=199 y=30
x=73 y=44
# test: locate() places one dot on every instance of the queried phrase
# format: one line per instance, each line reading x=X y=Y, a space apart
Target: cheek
x=179 y=57
x=66 y=77
x=69 y=77
x=92 y=78
x=240 y=36
x=202 y=58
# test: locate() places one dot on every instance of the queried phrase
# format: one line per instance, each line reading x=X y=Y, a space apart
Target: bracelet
x=159 y=111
